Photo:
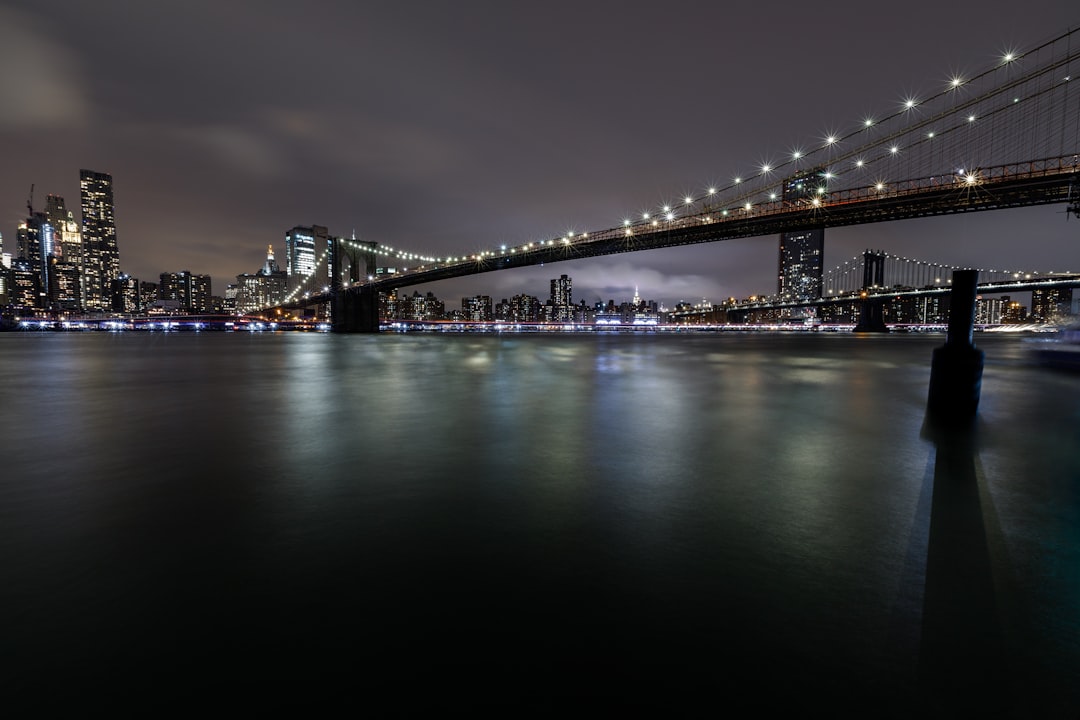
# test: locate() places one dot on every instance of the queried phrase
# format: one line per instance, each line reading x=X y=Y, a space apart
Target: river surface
x=537 y=522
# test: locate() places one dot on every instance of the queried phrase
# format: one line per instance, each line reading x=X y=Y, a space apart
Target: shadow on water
x=962 y=653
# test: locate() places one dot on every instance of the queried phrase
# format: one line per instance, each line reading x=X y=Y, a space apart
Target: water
x=537 y=522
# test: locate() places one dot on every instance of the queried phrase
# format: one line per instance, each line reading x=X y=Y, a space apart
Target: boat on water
x=1062 y=350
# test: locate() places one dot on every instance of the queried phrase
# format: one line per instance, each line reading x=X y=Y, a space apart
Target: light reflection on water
x=555 y=508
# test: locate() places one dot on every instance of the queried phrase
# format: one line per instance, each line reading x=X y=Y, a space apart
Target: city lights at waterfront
x=480 y=357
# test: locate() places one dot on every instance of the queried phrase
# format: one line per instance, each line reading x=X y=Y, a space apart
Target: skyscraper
x=101 y=257
x=562 y=302
x=802 y=251
x=36 y=241
x=304 y=246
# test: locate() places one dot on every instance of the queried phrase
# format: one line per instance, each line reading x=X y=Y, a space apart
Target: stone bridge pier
x=354 y=307
x=872 y=311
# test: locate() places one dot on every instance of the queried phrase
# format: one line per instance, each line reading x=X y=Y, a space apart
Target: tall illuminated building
x=802 y=251
x=64 y=271
x=101 y=256
x=37 y=246
x=306 y=260
x=562 y=302
x=66 y=231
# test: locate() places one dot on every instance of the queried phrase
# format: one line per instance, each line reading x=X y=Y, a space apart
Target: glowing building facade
x=101 y=255
x=306 y=259
x=802 y=252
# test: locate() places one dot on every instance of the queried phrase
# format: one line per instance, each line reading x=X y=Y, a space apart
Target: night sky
x=447 y=128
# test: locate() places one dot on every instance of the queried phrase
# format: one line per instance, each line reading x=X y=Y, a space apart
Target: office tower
x=24 y=290
x=55 y=211
x=101 y=257
x=562 y=303
x=65 y=285
x=185 y=292
x=36 y=241
x=802 y=251
x=306 y=259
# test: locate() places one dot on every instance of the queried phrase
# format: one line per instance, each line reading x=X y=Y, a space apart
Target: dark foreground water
x=536 y=522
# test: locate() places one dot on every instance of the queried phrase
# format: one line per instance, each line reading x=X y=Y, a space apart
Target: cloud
x=242 y=149
x=381 y=146
x=600 y=279
x=39 y=81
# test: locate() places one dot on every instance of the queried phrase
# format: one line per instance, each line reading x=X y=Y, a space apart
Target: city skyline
x=452 y=142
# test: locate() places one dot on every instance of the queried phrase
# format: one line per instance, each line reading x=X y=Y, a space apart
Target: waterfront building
x=185 y=291
x=25 y=288
x=65 y=285
x=148 y=292
x=1013 y=311
x=126 y=297
x=988 y=310
x=421 y=308
x=229 y=303
x=477 y=308
x=846 y=312
x=1050 y=305
x=101 y=255
x=264 y=288
x=34 y=238
x=5 y=275
x=388 y=305
x=561 y=304
x=524 y=308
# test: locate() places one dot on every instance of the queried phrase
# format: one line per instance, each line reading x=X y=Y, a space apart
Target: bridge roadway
x=1040 y=182
x=1010 y=186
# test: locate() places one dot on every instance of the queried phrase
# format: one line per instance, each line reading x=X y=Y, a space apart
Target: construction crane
x=30 y=201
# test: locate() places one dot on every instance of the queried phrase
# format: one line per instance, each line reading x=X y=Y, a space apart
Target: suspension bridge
x=1005 y=137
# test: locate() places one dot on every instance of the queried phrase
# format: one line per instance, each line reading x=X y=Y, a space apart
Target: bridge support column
x=871 y=317
x=956 y=368
x=355 y=311
x=352 y=309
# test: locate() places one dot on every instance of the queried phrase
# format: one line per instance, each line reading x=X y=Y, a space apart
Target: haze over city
x=453 y=129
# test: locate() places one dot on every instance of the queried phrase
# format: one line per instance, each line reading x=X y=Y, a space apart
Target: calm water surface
x=537 y=521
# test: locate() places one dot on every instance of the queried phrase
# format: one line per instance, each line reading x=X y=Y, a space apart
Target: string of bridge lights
x=860 y=158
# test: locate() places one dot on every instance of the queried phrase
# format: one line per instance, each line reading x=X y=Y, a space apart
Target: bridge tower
x=354 y=305
x=873 y=269
x=871 y=311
